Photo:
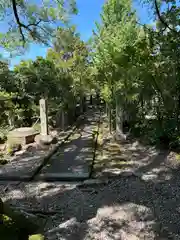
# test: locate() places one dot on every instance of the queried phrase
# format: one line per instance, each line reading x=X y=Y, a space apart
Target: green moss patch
x=9 y=230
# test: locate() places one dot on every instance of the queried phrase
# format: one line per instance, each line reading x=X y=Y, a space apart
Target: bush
x=3 y=134
x=158 y=133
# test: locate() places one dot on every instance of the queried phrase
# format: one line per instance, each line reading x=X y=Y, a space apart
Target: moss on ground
x=9 y=230
x=36 y=237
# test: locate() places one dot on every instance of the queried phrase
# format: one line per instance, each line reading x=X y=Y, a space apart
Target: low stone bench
x=22 y=136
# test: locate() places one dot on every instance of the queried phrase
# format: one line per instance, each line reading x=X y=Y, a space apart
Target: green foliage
x=3 y=161
x=137 y=67
x=3 y=133
x=37 y=127
x=133 y=67
x=70 y=56
x=61 y=77
x=32 y=21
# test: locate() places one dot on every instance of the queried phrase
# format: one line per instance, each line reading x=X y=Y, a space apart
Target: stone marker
x=43 y=117
x=44 y=137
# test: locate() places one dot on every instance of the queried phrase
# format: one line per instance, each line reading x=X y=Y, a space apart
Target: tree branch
x=27 y=27
x=18 y=20
x=22 y=25
x=162 y=19
x=34 y=24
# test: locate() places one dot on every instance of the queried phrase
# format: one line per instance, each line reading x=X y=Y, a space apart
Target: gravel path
x=124 y=208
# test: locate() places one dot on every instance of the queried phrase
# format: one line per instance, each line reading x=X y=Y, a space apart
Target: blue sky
x=89 y=12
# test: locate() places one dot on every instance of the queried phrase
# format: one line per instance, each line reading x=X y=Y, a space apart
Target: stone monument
x=44 y=117
x=44 y=137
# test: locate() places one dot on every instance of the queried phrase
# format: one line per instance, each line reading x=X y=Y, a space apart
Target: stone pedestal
x=45 y=140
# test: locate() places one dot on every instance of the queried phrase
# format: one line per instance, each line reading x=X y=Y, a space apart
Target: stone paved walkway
x=74 y=159
x=23 y=166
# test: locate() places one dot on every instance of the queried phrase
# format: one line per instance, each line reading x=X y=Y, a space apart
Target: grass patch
x=178 y=157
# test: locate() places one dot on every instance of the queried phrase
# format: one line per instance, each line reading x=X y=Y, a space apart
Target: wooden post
x=43 y=117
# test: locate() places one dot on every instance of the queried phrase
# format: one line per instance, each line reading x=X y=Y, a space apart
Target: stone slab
x=21 y=168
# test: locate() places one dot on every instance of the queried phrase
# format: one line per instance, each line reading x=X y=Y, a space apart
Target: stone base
x=45 y=139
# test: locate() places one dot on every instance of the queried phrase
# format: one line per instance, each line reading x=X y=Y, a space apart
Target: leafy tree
x=41 y=78
x=137 y=67
x=71 y=57
x=114 y=43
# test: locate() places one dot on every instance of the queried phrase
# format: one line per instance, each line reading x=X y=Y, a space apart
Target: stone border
x=63 y=177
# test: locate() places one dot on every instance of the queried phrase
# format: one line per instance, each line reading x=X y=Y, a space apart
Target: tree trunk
x=62 y=120
x=81 y=104
x=84 y=104
x=91 y=100
x=11 y=118
x=110 y=118
x=119 y=121
x=107 y=109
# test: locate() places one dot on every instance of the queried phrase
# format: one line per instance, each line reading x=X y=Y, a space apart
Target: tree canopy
x=32 y=21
